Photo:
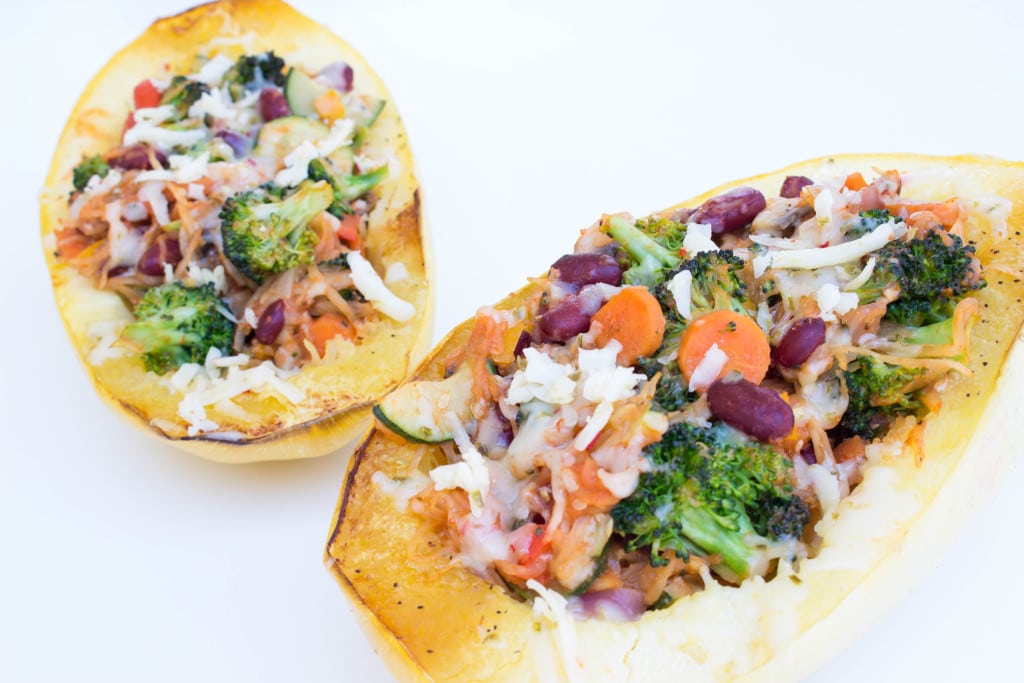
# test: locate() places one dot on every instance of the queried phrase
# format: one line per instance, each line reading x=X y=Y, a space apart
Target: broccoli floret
x=345 y=187
x=175 y=324
x=877 y=395
x=667 y=232
x=86 y=169
x=716 y=284
x=253 y=72
x=933 y=272
x=182 y=93
x=649 y=257
x=699 y=496
x=781 y=517
x=672 y=391
x=869 y=220
x=266 y=234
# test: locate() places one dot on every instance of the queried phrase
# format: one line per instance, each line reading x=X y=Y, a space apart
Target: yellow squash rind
x=340 y=389
x=434 y=621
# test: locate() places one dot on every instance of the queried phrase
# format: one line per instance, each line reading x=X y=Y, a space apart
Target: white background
x=125 y=560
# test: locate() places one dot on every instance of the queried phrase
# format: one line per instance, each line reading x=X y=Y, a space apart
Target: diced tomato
x=531 y=553
x=146 y=95
x=129 y=122
x=348 y=231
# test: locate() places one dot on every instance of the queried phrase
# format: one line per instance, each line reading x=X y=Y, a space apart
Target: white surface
x=121 y=560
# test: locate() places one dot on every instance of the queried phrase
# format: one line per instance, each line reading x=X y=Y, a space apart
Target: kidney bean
x=792 y=185
x=799 y=342
x=338 y=75
x=239 y=144
x=273 y=104
x=164 y=250
x=753 y=410
x=587 y=269
x=564 y=320
x=136 y=158
x=730 y=211
x=522 y=343
x=271 y=323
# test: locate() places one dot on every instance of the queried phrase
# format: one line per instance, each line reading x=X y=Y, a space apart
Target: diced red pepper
x=146 y=95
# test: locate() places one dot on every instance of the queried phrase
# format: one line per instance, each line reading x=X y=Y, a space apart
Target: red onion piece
x=615 y=604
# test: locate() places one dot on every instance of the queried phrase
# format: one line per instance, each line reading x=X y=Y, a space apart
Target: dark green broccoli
x=346 y=187
x=266 y=234
x=877 y=395
x=649 y=257
x=869 y=220
x=781 y=517
x=253 y=72
x=933 y=272
x=86 y=169
x=716 y=284
x=182 y=93
x=703 y=490
x=175 y=324
x=672 y=391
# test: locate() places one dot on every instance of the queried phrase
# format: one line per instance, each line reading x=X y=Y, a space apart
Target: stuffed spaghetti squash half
x=711 y=444
x=233 y=229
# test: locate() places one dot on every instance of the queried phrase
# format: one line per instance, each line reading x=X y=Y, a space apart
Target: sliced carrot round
x=744 y=344
x=633 y=318
x=327 y=327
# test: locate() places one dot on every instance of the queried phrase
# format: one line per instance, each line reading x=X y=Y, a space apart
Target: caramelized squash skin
x=432 y=620
x=340 y=389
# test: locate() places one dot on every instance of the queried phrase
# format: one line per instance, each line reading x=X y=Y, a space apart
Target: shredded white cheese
x=147 y=129
x=369 y=284
x=297 y=161
x=698 y=239
x=222 y=379
x=104 y=335
x=603 y=380
x=598 y=419
x=680 y=285
x=832 y=301
x=542 y=379
x=551 y=606
x=470 y=474
x=200 y=276
x=213 y=71
x=153 y=194
x=98 y=185
x=858 y=281
x=708 y=369
x=811 y=259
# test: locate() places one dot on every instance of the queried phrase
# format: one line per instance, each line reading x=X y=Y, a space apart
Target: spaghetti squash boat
x=233 y=229
x=710 y=444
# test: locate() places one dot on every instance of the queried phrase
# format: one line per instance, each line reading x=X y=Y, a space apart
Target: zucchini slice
x=420 y=411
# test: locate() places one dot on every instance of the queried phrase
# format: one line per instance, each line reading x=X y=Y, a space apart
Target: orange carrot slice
x=737 y=336
x=633 y=318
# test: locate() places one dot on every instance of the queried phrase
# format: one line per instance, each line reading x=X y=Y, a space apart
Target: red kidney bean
x=587 y=269
x=136 y=158
x=799 y=342
x=273 y=104
x=753 y=410
x=564 y=320
x=792 y=185
x=730 y=211
x=164 y=250
x=239 y=144
x=522 y=343
x=338 y=75
x=271 y=323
